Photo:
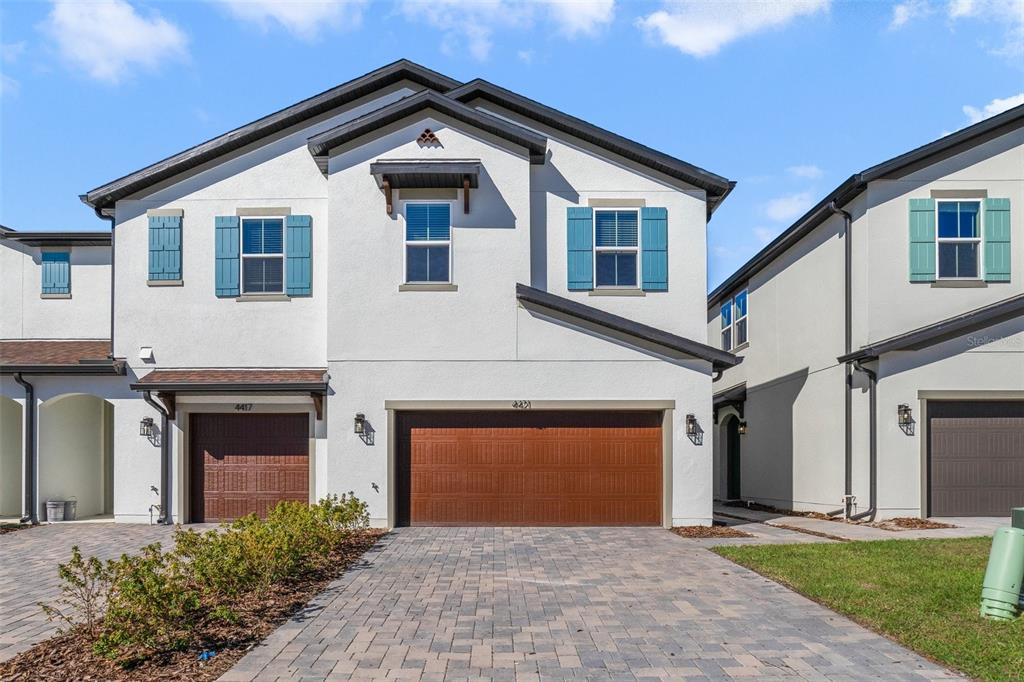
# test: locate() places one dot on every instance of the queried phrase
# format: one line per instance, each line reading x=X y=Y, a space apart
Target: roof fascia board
x=105 y=195
x=716 y=186
x=93 y=369
x=221 y=387
x=320 y=145
x=718 y=358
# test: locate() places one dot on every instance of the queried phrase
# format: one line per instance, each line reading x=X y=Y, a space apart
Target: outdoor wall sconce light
x=905 y=418
x=693 y=430
x=360 y=423
x=146 y=427
x=742 y=428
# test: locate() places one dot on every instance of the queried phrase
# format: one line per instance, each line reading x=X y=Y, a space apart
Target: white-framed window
x=617 y=248
x=428 y=242
x=958 y=246
x=734 y=321
x=263 y=255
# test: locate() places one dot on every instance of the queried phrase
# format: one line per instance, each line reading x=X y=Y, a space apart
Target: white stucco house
x=882 y=338
x=460 y=304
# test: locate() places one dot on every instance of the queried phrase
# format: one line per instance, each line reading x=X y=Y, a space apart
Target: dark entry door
x=732 y=445
x=247 y=463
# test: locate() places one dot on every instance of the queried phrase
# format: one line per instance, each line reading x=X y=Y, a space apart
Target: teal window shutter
x=580 y=243
x=164 y=248
x=922 y=240
x=227 y=255
x=997 y=240
x=654 y=245
x=299 y=250
x=56 y=272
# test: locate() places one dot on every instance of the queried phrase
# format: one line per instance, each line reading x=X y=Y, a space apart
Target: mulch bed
x=68 y=656
x=709 y=532
x=910 y=523
x=6 y=528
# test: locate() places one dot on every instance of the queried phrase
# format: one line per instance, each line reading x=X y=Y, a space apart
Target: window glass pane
x=428 y=222
x=416 y=222
x=273 y=236
x=437 y=264
x=616 y=269
x=948 y=219
x=741 y=332
x=415 y=264
x=741 y=306
x=440 y=221
x=967 y=259
x=615 y=228
x=252 y=236
x=727 y=339
x=626 y=269
x=969 y=227
x=726 y=313
x=604 y=228
x=627 y=228
x=605 y=269
x=262 y=275
x=947 y=259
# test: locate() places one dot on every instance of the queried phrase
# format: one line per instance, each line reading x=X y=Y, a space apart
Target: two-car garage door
x=529 y=468
x=976 y=457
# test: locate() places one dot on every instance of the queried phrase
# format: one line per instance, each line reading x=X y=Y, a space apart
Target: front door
x=732 y=444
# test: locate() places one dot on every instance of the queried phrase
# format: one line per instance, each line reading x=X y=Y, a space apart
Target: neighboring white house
x=464 y=306
x=909 y=278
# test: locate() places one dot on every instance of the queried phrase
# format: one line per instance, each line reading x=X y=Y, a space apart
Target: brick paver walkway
x=28 y=571
x=536 y=603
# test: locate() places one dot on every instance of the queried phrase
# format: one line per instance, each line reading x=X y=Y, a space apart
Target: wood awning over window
x=394 y=174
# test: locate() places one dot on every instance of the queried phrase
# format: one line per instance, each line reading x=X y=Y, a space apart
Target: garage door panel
x=247 y=463
x=976 y=457
x=539 y=468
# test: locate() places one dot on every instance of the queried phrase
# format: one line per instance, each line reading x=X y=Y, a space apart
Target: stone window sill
x=959 y=284
x=428 y=287
x=617 y=292
x=165 y=283
x=54 y=295
x=250 y=298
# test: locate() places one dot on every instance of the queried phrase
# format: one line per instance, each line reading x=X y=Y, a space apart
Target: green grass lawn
x=922 y=593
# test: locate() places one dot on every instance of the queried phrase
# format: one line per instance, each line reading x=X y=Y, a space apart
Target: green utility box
x=1000 y=593
x=1018 y=517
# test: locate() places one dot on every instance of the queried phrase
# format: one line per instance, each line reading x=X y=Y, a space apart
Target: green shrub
x=85 y=584
x=152 y=605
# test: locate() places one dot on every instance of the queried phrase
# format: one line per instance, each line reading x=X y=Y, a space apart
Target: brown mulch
x=6 y=528
x=910 y=523
x=709 y=532
x=69 y=656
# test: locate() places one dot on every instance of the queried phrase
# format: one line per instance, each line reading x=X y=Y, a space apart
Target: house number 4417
x=243 y=407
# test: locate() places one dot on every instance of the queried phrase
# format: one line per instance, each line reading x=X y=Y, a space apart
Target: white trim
x=979 y=240
x=635 y=250
x=242 y=256
x=405 y=203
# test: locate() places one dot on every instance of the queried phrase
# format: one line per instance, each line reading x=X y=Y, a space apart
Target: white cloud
x=8 y=86
x=701 y=27
x=786 y=208
x=525 y=56
x=108 y=37
x=471 y=24
x=807 y=171
x=764 y=234
x=302 y=18
x=996 y=106
x=904 y=12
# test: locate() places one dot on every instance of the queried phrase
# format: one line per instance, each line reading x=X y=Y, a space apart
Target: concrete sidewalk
x=962 y=527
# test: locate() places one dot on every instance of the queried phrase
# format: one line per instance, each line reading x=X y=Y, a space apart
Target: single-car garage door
x=976 y=452
x=529 y=468
x=247 y=463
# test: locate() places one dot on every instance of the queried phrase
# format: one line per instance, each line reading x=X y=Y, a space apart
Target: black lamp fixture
x=693 y=430
x=742 y=428
x=360 y=422
x=146 y=427
x=905 y=418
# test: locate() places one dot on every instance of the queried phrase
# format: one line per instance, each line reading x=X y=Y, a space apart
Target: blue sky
x=785 y=97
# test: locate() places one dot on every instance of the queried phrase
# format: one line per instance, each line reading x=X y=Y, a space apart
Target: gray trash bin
x=55 y=510
x=70 y=509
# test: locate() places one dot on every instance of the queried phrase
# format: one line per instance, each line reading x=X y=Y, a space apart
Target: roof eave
x=232 y=387
x=115 y=368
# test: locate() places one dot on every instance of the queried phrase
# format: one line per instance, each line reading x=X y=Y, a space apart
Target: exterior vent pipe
x=165 y=459
x=847 y=349
x=869 y=513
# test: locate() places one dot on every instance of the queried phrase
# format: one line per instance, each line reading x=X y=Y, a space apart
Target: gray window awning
x=395 y=174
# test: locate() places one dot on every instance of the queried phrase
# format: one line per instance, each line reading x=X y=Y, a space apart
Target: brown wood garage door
x=529 y=468
x=247 y=463
x=976 y=457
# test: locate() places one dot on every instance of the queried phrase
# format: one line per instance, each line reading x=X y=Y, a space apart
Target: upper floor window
x=428 y=243
x=262 y=255
x=959 y=239
x=616 y=247
x=56 y=267
x=734 y=321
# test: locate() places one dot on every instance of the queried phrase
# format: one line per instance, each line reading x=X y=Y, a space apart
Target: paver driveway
x=28 y=571
x=556 y=603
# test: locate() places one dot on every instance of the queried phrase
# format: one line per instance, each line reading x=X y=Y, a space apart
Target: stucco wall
x=11 y=456
x=24 y=314
x=72 y=453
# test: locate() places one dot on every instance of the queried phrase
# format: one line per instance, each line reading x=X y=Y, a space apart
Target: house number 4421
x=521 y=404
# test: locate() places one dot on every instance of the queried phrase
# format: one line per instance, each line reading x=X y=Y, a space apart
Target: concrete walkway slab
x=566 y=603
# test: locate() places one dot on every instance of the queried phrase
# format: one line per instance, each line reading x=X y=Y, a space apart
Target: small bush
x=151 y=602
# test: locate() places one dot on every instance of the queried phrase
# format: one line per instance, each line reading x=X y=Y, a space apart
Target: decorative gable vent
x=428 y=139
